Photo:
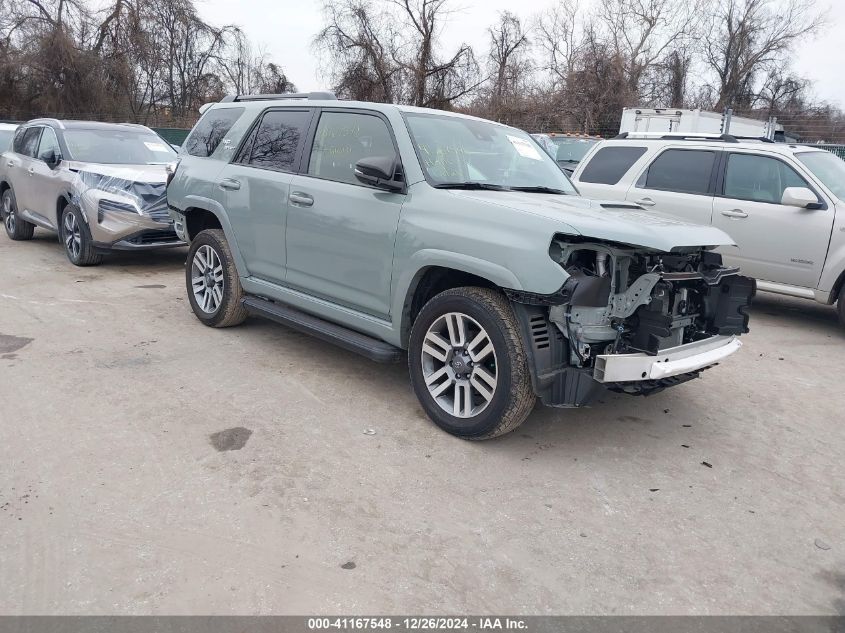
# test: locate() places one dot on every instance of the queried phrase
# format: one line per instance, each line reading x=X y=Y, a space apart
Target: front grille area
x=154 y=237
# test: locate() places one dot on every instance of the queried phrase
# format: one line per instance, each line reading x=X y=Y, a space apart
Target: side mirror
x=379 y=171
x=800 y=197
x=51 y=158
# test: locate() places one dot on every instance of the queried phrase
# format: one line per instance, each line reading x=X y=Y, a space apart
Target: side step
x=368 y=346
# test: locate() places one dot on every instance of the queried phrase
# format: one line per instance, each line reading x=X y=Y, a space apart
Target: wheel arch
x=431 y=279
x=204 y=213
x=199 y=219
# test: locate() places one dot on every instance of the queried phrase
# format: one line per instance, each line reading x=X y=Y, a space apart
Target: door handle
x=10 y=163
x=300 y=199
x=645 y=202
x=31 y=170
x=230 y=184
x=735 y=213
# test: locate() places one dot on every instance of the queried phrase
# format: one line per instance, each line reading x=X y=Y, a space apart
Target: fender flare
x=216 y=209
x=417 y=265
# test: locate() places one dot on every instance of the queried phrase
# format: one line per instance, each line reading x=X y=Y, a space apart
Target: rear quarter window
x=210 y=130
x=609 y=164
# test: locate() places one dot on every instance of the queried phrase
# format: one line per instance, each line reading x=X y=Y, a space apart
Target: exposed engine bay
x=627 y=302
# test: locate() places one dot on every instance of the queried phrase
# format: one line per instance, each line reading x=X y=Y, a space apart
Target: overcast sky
x=286 y=27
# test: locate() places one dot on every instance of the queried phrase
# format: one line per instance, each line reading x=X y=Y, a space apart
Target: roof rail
x=663 y=136
x=311 y=96
x=762 y=139
x=48 y=120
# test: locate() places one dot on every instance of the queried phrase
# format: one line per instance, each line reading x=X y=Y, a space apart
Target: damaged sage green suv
x=385 y=228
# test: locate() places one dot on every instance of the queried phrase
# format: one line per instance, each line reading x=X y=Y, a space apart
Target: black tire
x=228 y=310
x=840 y=306
x=76 y=238
x=512 y=398
x=16 y=228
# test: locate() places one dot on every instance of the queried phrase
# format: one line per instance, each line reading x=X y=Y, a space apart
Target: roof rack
x=663 y=136
x=311 y=96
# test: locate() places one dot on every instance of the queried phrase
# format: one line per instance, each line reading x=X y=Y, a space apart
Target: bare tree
x=748 y=38
x=644 y=34
x=508 y=64
x=361 y=51
x=561 y=38
x=392 y=53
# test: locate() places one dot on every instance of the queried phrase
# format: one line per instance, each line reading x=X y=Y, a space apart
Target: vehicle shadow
x=792 y=312
x=612 y=418
x=47 y=244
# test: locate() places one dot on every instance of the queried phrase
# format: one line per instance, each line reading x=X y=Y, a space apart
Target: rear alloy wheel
x=16 y=228
x=76 y=240
x=214 y=289
x=468 y=364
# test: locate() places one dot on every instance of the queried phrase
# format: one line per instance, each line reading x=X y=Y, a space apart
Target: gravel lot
x=125 y=490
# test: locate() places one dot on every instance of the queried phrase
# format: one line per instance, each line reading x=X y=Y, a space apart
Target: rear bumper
x=675 y=361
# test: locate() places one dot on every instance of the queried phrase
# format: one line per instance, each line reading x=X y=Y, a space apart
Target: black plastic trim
x=362 y=344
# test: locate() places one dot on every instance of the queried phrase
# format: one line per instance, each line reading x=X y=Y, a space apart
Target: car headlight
x=112 y=206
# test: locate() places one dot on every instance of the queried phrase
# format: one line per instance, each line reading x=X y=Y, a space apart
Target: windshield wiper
x=541 y=189
x=470 y=185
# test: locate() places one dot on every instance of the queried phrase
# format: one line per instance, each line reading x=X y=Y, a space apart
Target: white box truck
x=691 y=122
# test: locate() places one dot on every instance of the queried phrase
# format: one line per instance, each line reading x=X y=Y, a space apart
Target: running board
x=351 y=340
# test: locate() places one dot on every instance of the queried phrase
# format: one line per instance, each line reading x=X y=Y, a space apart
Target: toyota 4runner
x=385 y=228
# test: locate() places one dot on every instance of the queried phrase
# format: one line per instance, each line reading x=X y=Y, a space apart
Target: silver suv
x=385 y=228
x=783 y=204
x=99 y=186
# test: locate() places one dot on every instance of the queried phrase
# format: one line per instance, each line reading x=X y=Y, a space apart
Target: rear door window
x=609 y=164
x=682 y=171
x=211 y=130
x=276 y=141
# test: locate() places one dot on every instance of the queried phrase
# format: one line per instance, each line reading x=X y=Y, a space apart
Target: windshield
x=828 y=168
x=6 y=139
x=118 y=147
x=460 y=150
x=572 y=150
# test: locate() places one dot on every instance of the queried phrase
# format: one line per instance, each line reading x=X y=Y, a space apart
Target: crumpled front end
x=125 y=211
x=631 y=320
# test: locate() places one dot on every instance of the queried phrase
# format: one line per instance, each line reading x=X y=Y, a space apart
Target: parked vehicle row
x=566 y=149
x=783 y=205
x=385 y=229
x=98 y=186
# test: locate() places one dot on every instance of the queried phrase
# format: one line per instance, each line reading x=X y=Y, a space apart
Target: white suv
x=784 y=205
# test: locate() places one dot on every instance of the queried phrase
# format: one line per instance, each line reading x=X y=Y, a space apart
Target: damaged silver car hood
x=620 y=222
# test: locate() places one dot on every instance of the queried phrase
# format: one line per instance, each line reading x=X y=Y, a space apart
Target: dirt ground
x=150 y=465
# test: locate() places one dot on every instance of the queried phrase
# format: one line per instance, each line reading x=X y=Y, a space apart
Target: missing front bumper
x=668 y=363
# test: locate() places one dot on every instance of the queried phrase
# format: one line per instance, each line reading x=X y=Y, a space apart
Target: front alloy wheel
x=468 y=363
x=72 y=236
x=459 y=365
